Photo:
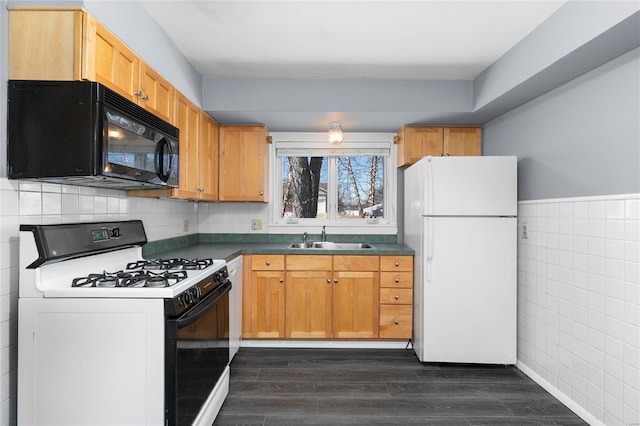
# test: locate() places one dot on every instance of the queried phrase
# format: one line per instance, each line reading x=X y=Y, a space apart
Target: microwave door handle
x=163 y=146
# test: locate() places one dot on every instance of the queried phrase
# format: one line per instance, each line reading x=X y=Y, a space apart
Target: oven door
x=196 y=354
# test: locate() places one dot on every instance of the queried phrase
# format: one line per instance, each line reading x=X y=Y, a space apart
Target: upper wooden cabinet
x=188 y=120
x=208 y=159
x=415 y=142
x=243 y=163
x=69 y=44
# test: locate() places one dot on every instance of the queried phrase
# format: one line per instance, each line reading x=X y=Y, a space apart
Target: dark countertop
x=228 y=251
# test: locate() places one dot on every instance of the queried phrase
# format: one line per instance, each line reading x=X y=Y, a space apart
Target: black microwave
x=83 y=133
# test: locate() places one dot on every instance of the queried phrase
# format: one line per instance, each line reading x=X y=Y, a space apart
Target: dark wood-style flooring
x=380 y=387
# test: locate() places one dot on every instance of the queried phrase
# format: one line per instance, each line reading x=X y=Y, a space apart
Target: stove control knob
x=181 y=301
x=115 y=233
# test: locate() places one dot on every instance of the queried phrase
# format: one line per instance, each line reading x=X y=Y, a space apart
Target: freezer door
x=470 y=186
x=469 y=290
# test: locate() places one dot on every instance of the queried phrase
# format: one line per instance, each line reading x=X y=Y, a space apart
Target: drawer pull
x=397 y=297
x=267 y=263
x=396 y=322
x=397 y=263
x=397 y=280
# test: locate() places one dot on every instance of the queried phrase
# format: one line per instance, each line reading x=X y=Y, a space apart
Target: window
x=347 y=185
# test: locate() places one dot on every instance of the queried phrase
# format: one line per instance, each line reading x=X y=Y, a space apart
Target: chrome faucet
x=304 y=238
x=324 y=234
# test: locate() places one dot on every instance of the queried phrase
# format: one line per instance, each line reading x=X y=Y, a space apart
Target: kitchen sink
x=301 y=245
x=327 y=245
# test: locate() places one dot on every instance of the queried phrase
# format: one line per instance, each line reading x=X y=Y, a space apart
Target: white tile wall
x=233 y=218
x=32 y=202
x=579 y=303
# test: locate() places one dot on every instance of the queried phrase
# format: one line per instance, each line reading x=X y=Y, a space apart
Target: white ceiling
x=397 y=40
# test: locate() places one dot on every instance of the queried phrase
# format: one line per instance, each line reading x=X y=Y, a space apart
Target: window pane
x=360 y=186
x=304 y=187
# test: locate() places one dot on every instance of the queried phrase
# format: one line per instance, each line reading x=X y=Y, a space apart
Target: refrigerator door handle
x=429 y=197
x=429 y=254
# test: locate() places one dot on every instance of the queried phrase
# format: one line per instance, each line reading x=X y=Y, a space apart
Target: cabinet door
x=188 y=121
x=156 y=94
x=308 y=304
x=109 y=61
x=208 y=159
x=463 y=141
x=356 y=304
x=417 y=141
x=267 y=304
x=243 y=165
x=45 y=44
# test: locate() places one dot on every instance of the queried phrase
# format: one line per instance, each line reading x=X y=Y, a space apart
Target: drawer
x=302 y=262
x=396 y=296
x=396 y=279
x=395 y=321
x=396 y=263
x=356 y=263
x=267 y=262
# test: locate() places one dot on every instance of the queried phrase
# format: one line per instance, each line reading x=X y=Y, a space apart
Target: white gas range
x=107 y=337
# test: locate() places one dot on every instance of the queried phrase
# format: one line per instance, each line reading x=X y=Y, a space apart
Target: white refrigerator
x=460 y=218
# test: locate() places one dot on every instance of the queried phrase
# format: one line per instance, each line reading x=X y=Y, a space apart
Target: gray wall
x=582 y=139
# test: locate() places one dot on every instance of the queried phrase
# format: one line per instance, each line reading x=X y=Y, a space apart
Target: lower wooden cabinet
x=263 y=298
x=327 y=297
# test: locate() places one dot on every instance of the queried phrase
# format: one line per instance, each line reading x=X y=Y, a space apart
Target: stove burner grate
x=130 y=279
x=170 y=264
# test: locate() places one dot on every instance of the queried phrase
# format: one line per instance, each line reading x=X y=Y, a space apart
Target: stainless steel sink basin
x=327 y=245
x=301 y=245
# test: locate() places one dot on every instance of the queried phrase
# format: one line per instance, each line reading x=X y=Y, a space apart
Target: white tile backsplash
x=584 y=267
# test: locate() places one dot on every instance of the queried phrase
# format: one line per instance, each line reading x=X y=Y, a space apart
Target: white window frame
x=307 y=143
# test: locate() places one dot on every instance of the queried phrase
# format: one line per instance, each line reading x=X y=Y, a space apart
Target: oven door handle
x=200 y=309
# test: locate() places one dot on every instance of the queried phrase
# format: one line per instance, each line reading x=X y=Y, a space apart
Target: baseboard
x=559 y=395
x=335 y=344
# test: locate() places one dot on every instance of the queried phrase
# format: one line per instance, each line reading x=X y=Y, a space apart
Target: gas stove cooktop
x=150 y=273
x=104 y=261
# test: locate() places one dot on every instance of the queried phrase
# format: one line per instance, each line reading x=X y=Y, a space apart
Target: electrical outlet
x=256 y=224
x=525 y=231
x=185 y=225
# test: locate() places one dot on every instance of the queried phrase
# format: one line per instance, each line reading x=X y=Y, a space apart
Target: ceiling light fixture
x=335 y=132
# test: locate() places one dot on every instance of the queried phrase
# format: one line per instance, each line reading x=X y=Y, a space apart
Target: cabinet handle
x=335 y=280
x=141 y=95
x=396 y=322
x=397 y=297
x=267 y=263
x=397 y=263
x=328 y=281
x=261 y=193
x=397 y=280
x=281 y=280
